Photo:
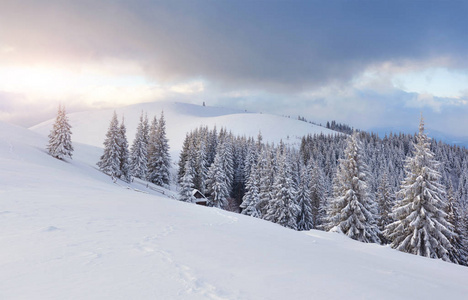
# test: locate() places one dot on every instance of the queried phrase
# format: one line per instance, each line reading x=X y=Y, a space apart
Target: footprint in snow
x=50 y=229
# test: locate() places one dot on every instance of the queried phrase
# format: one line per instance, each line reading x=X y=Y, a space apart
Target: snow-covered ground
x=90 y=127
x=68 y=232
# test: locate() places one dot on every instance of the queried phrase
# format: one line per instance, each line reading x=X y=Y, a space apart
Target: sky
x=370 y=64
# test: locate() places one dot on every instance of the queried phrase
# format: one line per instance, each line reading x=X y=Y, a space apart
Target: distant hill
x=90 y=127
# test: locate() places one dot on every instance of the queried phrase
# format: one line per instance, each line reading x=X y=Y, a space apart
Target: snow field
x=67 y=231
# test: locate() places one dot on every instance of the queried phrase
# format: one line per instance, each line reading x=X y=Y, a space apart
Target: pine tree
x=159 y=160
x=164 y=156
x=145 y=130
x=218 y=181
x=351 y=209
x=124 y=153
x=420 y=225
x=384 y=203
x=305 y=220
x=201 y=166
x=458 y=253
x=139 y=152
x=462 y=192
x=317 y=192
x=110 y=160
x=282 y=208
x=185 y=154
x=266 y=174
x=152 y=151
x=251 y=199
x=186 y=184
x=60 y=144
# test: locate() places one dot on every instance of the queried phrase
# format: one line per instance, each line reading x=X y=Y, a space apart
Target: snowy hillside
x=67 y=231
x=90 y=127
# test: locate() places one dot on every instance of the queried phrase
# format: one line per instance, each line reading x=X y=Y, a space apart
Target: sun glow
x=110 y=83
x=95 y=86
x=49 y=81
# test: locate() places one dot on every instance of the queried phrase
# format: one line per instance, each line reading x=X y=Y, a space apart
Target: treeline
x=341 y=183
x=339 y=127
x=404 y=190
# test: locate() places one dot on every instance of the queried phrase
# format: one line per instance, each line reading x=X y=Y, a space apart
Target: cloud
x=275 y=46
x=327 y=59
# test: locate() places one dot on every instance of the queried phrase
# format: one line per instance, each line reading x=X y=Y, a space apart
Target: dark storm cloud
x=270 y=45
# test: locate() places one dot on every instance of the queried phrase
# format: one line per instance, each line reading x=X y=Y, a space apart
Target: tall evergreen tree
x=420 y=225
x=152 y=151
x=266 y=171
x=186 y=184
x=164 y=161
x=317 y=192
x=351 y=209
x=60 y=144
x=282 y=208
x=305 y=220
x=218 y=181
x=139 y=152
x=251 y=199
x=158 y=153
x=145 y=129
x=185 y=154
x=110 y=159
x=124 y=153
x=384 y=203
x=201 y=166
x=458 y=253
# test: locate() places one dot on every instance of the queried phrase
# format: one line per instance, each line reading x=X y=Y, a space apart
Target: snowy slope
x=90 y=127
x=68 y=232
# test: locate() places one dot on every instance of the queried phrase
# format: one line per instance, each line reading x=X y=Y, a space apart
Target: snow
x=68 y=232
x=90 y=127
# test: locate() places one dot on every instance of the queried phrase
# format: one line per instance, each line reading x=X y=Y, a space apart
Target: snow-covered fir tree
x=459 y=252
x=351 y=210
x=226 y=139
x=201 y=166
x=318 y=194
x=110 y=159
x=152 y=150
x=305 y=219
x=266 y=171
x=239 y=182
x=462 y=192
x=124 y=153
x=385 y=203
x=139 y=152
x=251 y=197
x=218 y=181
x=186 y=153
x=165 y=157
x=251 y=158
x=282 y=208
x=186 y=184
x=159 y=160
x=145 y=129
x=60 y=144
x=420 y=225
